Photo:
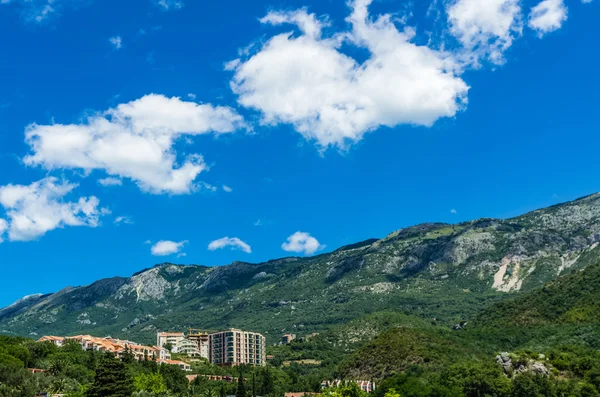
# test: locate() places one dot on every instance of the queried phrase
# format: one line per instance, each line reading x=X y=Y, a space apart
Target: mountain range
x=444 y=273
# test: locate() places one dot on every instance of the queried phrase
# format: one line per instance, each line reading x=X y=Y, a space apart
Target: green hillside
x=572 y=299
x=437 y=272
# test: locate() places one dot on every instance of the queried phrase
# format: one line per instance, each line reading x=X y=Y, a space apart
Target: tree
x=268 y=384
x=58 y=365
x=111 y=380
x=153 y=383
x=127 y=355
x=241 y=388
x=174 y=378
x=253 y=384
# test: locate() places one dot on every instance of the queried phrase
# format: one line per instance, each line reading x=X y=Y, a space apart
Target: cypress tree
x=112 y=379
x=241 y=389
x=268 y=385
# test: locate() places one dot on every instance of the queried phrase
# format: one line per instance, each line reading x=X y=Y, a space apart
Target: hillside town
x=229 y=348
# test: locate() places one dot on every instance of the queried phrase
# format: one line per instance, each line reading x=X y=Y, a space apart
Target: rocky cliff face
x=439 y=270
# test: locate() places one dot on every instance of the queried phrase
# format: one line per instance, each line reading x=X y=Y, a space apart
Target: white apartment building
x=171 y=338
x=236 y=347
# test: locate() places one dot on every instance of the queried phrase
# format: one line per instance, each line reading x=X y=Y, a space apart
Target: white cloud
x=259 y=223
x=485 y=28
x=453 y=211
x=586 y=1
x=192 y=96
x=302 y=242
x=169 y=4
x=133 y=140
x=227 y=189
x=3 y=229
x=233 y=242
x=165 y=247
x=334 y=99
x=110 y=181
x=38 y=208
x=126 y=220
x=548 y=16
x=116 y=42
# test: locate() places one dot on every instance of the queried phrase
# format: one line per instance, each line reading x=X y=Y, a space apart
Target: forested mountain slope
x=441 y=271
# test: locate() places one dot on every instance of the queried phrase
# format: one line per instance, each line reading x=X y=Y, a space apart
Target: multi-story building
x=236 y=347
x=187 y=347
x=170 y=338
x=202 y=340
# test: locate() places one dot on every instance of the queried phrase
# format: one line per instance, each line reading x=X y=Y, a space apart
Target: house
x=160 y=353
x=57 y=340
x=181 y=364
x=287 y=338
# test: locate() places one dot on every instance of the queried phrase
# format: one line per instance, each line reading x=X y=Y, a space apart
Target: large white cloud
x=36 y=209
x=134 y=140
x=232 y=242
x=548 y=16
x=302 y=242
x=166 y=247
x=333 y=98
x=485 y=28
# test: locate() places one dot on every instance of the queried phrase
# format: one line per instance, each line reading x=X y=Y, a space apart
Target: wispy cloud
x=42 y=11
x=125 y=220
x=169 y=5
x=116 y=42
x=233 y=242
x=110 y=181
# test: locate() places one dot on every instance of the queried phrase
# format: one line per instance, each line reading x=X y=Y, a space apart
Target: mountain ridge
x=446 y=271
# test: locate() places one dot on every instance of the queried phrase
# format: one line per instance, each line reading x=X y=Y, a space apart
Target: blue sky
x=132 y=134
